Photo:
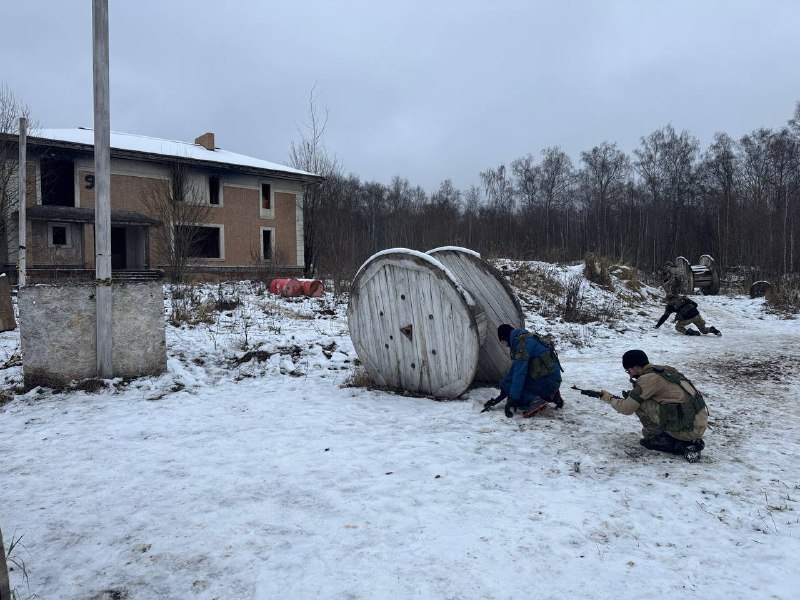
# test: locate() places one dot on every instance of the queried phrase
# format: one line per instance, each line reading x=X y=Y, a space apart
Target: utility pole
x=23 y=183
x=102 y=192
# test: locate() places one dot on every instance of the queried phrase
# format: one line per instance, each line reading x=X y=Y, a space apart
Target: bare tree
x=719 y=176
x=500 y=196
x=556 y=176
x=666 y=163
x=606 y=170
x=182 y=210
x=309 y=154
x=472 y=203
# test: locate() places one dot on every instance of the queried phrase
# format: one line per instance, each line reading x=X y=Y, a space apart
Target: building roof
x=71 y=214
x=131 y=145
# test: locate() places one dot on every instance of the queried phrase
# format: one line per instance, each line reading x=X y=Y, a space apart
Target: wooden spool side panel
x=688 y=275
x=490 y=289
x=438 y=353
x=712 y=287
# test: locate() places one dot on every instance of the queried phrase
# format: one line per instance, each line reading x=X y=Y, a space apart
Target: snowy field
x=270 y=479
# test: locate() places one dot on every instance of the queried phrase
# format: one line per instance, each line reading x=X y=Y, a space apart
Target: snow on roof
x=151 y=145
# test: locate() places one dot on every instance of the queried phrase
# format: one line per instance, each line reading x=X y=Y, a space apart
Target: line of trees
x=738 y=200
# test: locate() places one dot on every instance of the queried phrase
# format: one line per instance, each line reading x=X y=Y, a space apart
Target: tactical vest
x=679 y=417
x=538 y=366
x=687 y=309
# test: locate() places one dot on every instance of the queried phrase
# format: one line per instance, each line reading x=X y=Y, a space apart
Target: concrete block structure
x=58 y=331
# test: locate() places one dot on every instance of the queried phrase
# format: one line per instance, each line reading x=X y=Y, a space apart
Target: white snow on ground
x=271 y=480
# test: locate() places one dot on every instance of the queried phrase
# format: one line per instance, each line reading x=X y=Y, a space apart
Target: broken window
x=200 y=242
x=58 y=235
x=213 y=190
x=58 y=182
x=266 y=197
x=266 y=244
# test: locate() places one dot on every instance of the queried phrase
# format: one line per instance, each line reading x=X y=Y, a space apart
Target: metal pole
x=23 y=184
x=102 y=178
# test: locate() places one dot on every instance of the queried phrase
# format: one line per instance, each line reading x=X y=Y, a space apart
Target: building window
x=213 y=190
x=267 y=201
x=58 y=235
x=57 y=182
x=267 y=243
x=201 y=241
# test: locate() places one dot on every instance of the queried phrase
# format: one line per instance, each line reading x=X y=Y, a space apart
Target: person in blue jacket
x=535 y=374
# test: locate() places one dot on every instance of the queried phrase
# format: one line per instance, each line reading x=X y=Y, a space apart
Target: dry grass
x=784 y=296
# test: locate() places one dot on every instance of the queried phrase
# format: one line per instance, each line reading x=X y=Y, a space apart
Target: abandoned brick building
x=249 y=217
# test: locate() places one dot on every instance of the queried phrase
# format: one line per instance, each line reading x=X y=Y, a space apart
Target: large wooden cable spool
x=490 y=290
x=704 y=276
x=414 y=327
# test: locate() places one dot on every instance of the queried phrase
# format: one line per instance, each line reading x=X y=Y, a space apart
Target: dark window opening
x=213 y=190
x=58 y=182
x=59 y=235
x=202 y=242
x=119 y=248
x=266 y=196
x=266 y=244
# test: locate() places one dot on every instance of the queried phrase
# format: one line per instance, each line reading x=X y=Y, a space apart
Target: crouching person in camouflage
x=686 y=314
x=673 y=412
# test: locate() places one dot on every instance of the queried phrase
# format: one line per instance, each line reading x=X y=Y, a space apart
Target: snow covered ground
x=270 y=480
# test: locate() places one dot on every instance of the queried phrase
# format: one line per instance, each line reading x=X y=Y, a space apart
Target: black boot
x=557 y=399
x=715 y=331
x=662 y=442
x=690 y=332
x=691 y=451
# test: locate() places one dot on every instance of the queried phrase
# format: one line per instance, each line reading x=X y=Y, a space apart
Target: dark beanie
x=634 y=358
x=504 y=333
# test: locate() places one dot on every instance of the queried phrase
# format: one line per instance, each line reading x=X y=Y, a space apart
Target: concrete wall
x=58 y=332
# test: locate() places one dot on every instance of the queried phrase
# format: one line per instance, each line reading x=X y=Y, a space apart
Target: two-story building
x=250 y=210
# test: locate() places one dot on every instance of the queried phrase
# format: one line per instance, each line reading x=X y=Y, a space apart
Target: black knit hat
x=504 y=333
x=634 y=358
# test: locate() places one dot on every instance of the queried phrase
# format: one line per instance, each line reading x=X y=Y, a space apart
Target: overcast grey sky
x=427 y=90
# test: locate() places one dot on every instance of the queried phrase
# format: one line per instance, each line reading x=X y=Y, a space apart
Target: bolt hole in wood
x=402 y=296
x=413 y=366
x=408 y=331
x=381 y=313
x=430 y=317
x=433 y=352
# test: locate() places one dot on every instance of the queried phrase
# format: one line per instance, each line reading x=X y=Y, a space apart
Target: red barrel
x=286 y=287
x=313 y=288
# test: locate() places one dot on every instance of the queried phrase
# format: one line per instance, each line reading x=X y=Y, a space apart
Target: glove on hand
x=605 y=396
x=509 y=405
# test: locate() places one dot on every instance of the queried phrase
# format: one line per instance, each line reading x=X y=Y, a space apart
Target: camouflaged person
x=672 y=279
x=686 y=314
x=672 y=411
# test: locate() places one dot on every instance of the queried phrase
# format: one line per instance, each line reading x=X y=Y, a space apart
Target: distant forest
x=737 y=200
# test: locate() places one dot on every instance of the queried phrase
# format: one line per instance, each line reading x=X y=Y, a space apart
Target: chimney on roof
x=206 y=140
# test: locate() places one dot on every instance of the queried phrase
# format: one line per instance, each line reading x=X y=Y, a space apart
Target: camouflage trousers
x=698 y=321
x=649 y=417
